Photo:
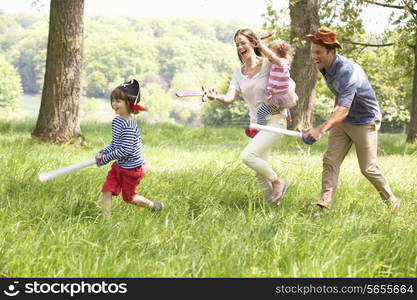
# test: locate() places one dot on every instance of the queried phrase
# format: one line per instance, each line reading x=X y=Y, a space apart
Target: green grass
x=215 y=224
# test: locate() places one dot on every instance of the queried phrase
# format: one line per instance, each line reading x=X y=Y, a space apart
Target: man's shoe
x=321 y=211
x=396 y=204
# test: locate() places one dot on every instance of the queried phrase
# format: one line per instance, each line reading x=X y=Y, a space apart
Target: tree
x=412 y=127
x=390 y=80
x=158 y=103
x=304 y=20
x=116 y=56
x=406 y=42
x=30 y=58
x=10 y=31
x=97 y=84
x=402 y=38
x=58 y=120
x=10 y=87
x=344 y=17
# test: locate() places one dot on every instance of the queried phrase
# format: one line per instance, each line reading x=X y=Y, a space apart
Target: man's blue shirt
x=347 y=80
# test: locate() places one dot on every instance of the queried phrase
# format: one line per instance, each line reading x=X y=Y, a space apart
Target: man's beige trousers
x=341 y=138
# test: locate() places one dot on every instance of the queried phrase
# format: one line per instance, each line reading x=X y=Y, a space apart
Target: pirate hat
x=132 y=89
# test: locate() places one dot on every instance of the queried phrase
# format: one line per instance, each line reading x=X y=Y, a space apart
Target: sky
x=248 y=11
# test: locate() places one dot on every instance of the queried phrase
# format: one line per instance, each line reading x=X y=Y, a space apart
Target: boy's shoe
x=158 y=206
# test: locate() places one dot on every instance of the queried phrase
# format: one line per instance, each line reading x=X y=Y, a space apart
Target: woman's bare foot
x=279 y=188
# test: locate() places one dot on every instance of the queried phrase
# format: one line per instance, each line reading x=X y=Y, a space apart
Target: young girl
x=126 y=148
x=280 y=89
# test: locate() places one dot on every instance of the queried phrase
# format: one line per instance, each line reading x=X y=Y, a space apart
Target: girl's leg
x=264 y=111
x=106 y=203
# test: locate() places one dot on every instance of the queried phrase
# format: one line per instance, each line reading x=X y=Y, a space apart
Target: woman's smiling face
x=244 y=46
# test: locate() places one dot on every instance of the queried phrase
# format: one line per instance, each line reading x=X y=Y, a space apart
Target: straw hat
x=324 y=37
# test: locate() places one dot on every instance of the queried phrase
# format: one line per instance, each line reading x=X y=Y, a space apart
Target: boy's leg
x=131 y=180
x=106 y=203
x=144 y=202
x=110 y=187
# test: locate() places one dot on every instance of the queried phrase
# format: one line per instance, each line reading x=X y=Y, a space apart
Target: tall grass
x=215 y=222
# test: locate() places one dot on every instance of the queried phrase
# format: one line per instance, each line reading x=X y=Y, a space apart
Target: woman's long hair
x=251 y=36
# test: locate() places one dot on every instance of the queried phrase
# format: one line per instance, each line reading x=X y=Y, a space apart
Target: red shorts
x=119 y=179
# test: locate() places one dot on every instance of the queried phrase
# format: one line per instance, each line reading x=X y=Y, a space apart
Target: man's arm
x=338 y=114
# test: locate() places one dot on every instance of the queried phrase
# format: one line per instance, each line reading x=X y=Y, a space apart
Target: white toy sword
x=281 y=131
x=68 y=169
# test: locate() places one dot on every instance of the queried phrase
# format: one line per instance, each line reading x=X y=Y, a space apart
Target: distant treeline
x=169 y=52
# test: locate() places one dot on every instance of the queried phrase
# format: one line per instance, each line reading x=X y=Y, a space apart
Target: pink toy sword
x=191 y=93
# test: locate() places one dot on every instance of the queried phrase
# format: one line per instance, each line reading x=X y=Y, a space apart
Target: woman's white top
x=253 y=90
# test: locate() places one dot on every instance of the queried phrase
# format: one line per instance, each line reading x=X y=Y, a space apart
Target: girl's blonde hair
x=283 y=49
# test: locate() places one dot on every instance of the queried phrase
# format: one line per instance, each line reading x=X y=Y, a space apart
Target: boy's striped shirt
x=126 y=145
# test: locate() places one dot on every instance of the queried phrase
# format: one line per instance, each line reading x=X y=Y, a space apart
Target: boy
x=126 y=149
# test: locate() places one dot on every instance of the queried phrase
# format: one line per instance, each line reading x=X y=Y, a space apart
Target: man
x=355 y=119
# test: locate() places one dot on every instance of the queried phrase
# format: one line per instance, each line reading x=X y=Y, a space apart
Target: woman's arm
x=227 y=98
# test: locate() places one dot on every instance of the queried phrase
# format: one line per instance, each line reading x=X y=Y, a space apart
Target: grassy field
x=215 y=224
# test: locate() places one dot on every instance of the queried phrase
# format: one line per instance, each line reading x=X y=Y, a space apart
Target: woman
x=250 y=79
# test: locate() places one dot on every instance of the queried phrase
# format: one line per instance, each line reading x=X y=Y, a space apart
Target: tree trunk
x=304 y=20
x=412 y=126
x=58 y=120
